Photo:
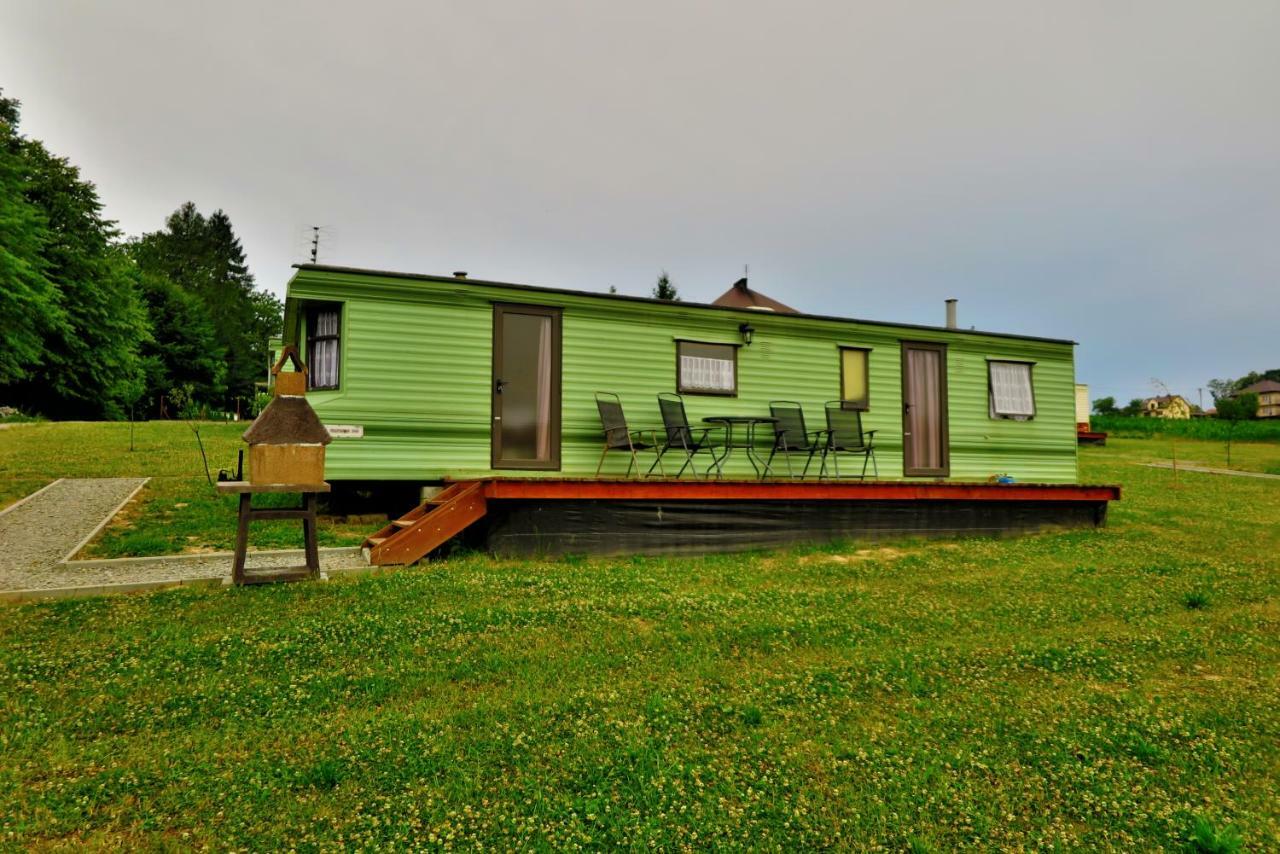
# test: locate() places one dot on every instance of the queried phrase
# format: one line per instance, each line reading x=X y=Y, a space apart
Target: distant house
x=1166 y=406
x=1268 y=392
x=741 y=296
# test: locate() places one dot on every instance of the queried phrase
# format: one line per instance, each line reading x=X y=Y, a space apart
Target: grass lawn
x=1112 y=689
x=177 y=511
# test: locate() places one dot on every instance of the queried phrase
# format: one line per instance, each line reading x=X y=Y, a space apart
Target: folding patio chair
x=684 y=439
x=791 y=436
x=846 y=436
x=618 y=437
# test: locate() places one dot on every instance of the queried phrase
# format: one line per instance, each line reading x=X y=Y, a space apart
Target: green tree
x=1105 y=406
x=1134 y=407
x=29 y=307
x=1230 y=386
x=664 y=289
x=91 y=361
x=183 y=348
x=66 y=286
x=1221 y=389
x=203 y=256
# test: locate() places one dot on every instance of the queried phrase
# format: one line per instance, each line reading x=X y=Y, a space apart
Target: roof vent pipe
x=459 y=274
x=951 y=314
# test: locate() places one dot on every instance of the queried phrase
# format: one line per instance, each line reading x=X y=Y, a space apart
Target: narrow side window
x=324 y=329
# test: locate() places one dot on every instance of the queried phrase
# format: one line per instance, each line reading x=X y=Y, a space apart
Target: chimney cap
x=459 y=274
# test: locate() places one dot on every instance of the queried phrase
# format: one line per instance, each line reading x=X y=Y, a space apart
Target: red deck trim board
x=729 y=490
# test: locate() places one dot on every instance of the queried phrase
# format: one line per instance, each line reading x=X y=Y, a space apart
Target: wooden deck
x=788 y=490
x=550 y=515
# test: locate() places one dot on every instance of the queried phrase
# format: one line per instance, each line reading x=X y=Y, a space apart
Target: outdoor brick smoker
x=286 y=454
x=286 y=440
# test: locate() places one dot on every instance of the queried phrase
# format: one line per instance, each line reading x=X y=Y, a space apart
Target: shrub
x=9 y=415
x=1209 y=429
x=1196 y=600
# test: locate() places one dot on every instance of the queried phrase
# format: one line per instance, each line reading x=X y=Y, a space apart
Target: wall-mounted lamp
x=747 y=331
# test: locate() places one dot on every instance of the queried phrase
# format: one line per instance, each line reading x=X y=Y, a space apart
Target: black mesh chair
x=846 y=436
x=686 y=440
x=790 y=436
x=619 y=437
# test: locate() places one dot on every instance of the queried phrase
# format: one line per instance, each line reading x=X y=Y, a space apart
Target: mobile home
x=441 y=379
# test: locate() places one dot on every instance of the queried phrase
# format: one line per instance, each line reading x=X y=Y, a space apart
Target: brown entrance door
x=526 y=387
x=925 y=448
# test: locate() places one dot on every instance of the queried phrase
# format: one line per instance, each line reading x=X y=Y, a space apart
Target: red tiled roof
x=741 y=296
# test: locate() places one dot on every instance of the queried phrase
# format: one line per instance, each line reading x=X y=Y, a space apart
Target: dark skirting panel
x=520 y=528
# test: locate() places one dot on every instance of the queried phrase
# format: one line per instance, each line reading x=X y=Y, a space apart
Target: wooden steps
x=427 y=526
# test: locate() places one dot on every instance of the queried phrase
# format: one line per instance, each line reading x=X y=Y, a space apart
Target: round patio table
x=740 y=432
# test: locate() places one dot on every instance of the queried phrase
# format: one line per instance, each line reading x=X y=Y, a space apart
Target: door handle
x=906 y=407
x=497 y=386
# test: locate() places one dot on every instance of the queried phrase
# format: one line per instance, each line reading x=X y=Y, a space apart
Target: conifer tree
x=183 y=349
x=203 y=256
x=664 y=289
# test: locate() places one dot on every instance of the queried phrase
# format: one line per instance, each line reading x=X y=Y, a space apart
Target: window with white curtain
x=706 y=368
x=324 y=325
x=1011 y=392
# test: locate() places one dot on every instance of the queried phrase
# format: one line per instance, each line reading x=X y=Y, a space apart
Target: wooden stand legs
x=242 y=538
x=309 y=534
x=307 y=513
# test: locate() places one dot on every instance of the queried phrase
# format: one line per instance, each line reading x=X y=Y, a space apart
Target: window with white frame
x=1010 y=390
x=706 y=368
x=324 y=325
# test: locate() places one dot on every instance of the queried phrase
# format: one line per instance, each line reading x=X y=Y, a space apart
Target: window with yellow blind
x=855 y=382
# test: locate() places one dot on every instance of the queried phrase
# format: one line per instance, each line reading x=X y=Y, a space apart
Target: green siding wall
x=416 y=374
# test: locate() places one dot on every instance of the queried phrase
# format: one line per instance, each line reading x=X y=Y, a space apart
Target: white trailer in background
x=1084 y=434
x=1083 y=407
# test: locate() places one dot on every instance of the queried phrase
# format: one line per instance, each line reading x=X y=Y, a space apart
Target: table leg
x=750 y=449
x=718 y=464
x=765 y=469
x=242 y=538
x=309 y=534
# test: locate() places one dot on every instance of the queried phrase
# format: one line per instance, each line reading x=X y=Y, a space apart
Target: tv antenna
x=308 y=239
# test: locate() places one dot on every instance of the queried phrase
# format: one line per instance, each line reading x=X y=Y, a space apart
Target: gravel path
x=55 y=521
x=41 y=531
x=143 y=570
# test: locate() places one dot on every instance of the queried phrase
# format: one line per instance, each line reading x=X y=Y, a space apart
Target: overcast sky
x=1107 y=172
